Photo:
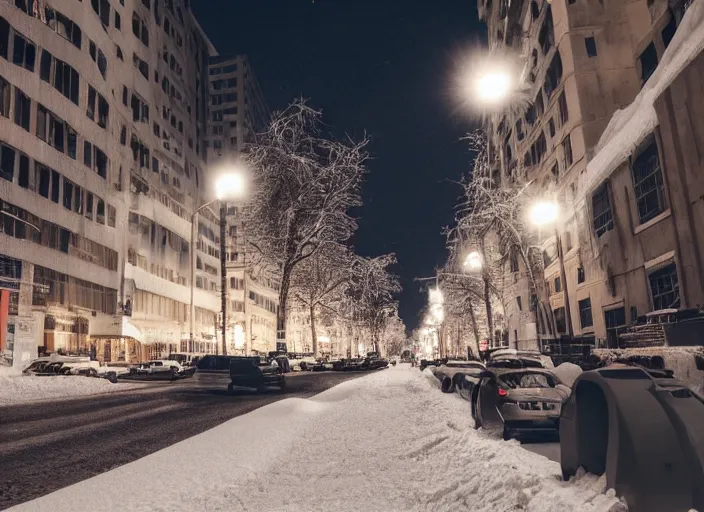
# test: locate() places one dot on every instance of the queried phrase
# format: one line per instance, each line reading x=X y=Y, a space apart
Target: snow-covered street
x=16 y=388
x=388 y=441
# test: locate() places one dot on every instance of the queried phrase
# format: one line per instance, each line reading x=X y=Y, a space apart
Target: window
x=94 y=158
x=24 y=52
x=7 y=162
x=217 y=116
x=141 y=65
x=140 y=109
x=668 y=32
x=4 y=37
x=64 y=78
x=217 y=144
x=560 y=320
x=102 y=9
x=567 y=148
x=23 y=177
x=648 y=61
x=155 y=164
x=553 y=75
x=585 y=313
x=43 y=178
x=68 y=194
x=99 y=58
x=558 y=285
x=601 y=210
x=562 y=105
x=613 y=319
x=648 y=183
x=139 y=29
x=590 y=44
x=63 y=26
x=580 y=275
x=100 y=212
x=55 y=179
x=120 y=55
x=23 y=107
x=112 y=216
x=551 y=127
x=538 y=149
x=665 y=287
x=118 y=21
x=514 y=260
x=519 y=303
x=89 y=206
x=546 y=37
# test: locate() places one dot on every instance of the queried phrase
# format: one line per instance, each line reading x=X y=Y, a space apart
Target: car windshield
x=463 y=365
x=527 y=380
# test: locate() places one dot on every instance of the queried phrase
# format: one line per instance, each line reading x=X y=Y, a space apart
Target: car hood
x=535 y=394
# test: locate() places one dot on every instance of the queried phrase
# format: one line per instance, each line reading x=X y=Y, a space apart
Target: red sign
x=483 y=345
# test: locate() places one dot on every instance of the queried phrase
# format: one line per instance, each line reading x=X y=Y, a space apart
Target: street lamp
x=493 y=86
x=544 y=213
x=473 y=262
x=230 y=185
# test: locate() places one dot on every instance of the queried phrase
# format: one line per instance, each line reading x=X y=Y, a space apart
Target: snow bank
x=18 y=389
x=630 y=126
x=388 y=441
x=567 y=373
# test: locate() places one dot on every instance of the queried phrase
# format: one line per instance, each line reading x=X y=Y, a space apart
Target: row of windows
x=57 y=288
x=152 y=304
x=158 y=236
x=223 y=70
x=264 y=302
x=21 y=224
x=161 y=271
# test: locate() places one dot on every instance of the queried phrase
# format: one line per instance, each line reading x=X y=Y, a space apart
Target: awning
x=117 y=326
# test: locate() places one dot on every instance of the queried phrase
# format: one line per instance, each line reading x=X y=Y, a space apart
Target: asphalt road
x=48 y=446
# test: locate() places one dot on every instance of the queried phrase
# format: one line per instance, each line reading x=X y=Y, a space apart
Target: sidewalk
x=388 y=441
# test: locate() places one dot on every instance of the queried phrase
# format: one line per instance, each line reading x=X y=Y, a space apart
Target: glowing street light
x=544 y=213
x=493 y=86
x=473 y=262
x=230 y=186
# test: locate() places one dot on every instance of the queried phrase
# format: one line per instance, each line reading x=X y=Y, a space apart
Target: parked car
x=356 y=365
x=516 y=401
x=255 y=372
x=529 y=358
x=322 y=366
x=213 y=372
x=376 y=362
x=70 y=365
x=452 y=373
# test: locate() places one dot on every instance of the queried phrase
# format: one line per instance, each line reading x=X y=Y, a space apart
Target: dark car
x=356 y=365
x=516 y=401
x=255 y=372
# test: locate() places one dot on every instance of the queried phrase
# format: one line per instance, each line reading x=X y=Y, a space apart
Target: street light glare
x=493 y=86
x=473 y=261
x=544 y=212
x=230 y=186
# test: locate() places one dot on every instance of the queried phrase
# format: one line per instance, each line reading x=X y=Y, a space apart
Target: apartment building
x=237 y=112
x=102 y=131
x=586 y=60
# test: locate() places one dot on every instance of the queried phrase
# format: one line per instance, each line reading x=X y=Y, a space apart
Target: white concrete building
x=104 y=105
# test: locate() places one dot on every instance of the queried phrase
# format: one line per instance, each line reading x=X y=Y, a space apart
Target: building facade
x=586 y=61
x=237 y=112
x=104 y=116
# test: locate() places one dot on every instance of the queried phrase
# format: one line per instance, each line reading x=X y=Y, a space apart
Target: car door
x=486 y=406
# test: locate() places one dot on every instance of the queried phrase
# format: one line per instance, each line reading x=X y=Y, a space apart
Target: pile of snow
x=388 y=441
x=630 y=126
x=16 y=388
x=567 y=373
x=9 y=371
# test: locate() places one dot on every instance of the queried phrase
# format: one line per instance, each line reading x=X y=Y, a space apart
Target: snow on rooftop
x=630 y=126
x=389 y=441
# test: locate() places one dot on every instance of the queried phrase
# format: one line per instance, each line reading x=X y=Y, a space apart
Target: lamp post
x=229 y=186
x=546 y=213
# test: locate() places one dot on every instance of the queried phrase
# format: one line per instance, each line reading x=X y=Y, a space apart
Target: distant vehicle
x=452 y=373
x=322 y=366
x=355 y=365
x=515 y=401
x=213 y=372
x=185 y=359
x=70 y=365
x=376 y=362
x=255 y=372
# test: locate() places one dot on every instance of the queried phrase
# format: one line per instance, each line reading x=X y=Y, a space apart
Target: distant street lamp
x=473 y=262
x=230 y=185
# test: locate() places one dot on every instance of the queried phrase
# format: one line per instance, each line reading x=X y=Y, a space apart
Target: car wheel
x=475 y=414
x=112 y=377
x=446 y=385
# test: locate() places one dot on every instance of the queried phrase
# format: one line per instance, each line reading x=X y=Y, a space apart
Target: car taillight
x=503 y=392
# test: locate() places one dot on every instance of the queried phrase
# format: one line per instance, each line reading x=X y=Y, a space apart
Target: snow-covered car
x=377 y=363
x=322 y=366
x=517 y=401
x=451 y=374
x=356 y=364
x=301 y=363
x=70 y=365
x=255 y=372
x=530 y=358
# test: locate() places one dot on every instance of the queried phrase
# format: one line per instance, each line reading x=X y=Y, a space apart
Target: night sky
x=384 y=66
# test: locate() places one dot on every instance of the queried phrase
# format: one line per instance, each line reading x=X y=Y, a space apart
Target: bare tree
x=372 y=290
x=304 y=185
x=318 y=282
